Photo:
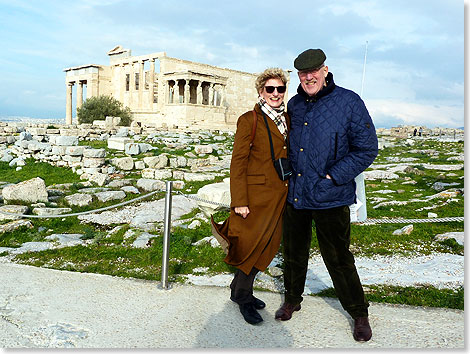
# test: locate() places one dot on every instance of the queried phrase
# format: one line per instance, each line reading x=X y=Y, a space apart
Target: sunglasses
x=270 y=89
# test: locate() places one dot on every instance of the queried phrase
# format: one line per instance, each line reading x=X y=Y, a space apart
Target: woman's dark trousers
x=242 y=286
x=333 y=233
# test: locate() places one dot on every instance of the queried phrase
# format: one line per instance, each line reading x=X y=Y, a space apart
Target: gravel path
x=43 y=308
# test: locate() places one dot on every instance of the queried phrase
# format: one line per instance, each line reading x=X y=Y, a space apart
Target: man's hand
x=243 y=211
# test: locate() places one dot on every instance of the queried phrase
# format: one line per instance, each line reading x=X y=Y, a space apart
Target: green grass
x=43 y=228
x=373 y=239
x=116 y=261
x=95 y=144
x=370 y=240
x=414 y=296
x=50 y=174
x=113 y=257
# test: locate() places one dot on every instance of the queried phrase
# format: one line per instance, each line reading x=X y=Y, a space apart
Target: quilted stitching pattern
x=332 y=135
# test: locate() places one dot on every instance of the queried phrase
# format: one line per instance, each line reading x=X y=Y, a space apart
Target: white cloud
x=415 y=48
x=385 y=111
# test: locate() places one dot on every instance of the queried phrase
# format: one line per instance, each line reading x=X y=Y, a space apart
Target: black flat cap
x=310 y=59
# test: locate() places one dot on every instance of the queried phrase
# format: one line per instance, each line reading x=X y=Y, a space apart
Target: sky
x=414 y=62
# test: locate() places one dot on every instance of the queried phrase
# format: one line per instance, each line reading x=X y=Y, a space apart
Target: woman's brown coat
x=254 y=241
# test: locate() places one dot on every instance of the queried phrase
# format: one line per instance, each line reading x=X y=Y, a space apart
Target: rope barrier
x=193 y=197
x=189 y=196
x=365 y=222
x=409 y=221
x=83 y=212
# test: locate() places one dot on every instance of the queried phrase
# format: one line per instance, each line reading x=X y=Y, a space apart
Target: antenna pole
x=364 y=68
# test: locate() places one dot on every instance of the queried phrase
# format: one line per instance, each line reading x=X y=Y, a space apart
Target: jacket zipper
x=336 y=145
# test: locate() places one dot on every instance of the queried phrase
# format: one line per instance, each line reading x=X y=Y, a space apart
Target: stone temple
x=165 y=92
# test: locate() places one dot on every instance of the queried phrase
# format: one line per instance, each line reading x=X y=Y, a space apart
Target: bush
x=100 y=107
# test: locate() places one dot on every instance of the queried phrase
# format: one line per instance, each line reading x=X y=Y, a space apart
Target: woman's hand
x=243 y=211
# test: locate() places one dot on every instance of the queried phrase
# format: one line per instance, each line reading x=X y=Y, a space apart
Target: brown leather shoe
x=362 y=331
x=284 y=313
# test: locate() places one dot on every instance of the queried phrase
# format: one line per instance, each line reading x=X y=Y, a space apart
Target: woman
x=258 y=195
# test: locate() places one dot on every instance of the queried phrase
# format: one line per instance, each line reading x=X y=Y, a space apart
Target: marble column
x=216 y=94
x=131 y=85
x=122 y=81
x=68 y=104
x=222 y=94
x=141 y=83
x=79 y=94
x=171 y=92
x=211 y=94
x=151 y=83
x=199 y=92
x=186 y=91
x=178 y=91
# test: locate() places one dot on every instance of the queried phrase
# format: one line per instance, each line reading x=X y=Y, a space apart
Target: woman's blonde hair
x=270 y=73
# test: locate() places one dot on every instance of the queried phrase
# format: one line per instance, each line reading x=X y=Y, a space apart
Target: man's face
x=312 y=81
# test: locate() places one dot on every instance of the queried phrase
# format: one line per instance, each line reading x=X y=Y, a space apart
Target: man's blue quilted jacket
x=331 y=133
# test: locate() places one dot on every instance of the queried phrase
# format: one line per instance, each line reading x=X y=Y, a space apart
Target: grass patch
x=414 y=296
x=19 y=236
x=110 y=256
x=115 y=261
x=43 y=228
x=95 y=144
x=370 y=240
x=191 y=214
x=50 y=174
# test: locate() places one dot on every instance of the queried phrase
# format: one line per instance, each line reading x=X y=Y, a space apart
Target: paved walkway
x=42 y=308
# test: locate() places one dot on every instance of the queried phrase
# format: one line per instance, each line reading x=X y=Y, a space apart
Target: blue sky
x=415 y=57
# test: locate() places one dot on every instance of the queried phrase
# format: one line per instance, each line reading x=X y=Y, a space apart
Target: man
x=332 y=140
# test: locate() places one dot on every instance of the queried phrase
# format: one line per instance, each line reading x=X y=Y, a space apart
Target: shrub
x=100 y=107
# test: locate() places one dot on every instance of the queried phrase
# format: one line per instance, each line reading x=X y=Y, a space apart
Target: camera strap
x=253 y=129
x=271 y=140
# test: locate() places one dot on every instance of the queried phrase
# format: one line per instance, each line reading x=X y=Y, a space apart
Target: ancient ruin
x=165 y=92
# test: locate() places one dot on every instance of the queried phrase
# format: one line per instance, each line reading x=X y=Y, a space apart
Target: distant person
x=332 y=140
x=258 y=195
x=414 y=132
x=420 y=131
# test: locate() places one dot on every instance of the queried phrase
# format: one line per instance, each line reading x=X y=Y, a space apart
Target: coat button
x=286 y=184
x=305 y=123
x=296 y=200
x=299 y=174
x=284 y=147
x=301 y=149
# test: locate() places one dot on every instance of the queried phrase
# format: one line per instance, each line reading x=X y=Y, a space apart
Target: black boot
x=259 y=304
x=250 y=314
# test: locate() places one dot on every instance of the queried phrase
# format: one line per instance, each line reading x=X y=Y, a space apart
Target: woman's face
x=275 y=98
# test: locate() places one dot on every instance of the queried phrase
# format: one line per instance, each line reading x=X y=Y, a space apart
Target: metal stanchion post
x=166 y=235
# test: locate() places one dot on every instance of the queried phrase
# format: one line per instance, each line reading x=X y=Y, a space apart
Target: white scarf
x=276 y=115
